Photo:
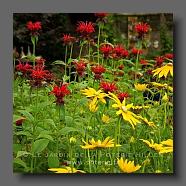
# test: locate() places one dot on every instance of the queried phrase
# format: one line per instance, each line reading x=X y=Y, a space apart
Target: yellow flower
x=158 y=171
x=152 y=145
x=159 y=85
x=105 y=118
x=93 y=106
x=165 y=98
x=72 y=140
x=124 y=110
x=65 y=170
x=132 y=139
x=167 y=146
x=164 y=146
x=164 y=70
x=107 y=143
x=149 y=123
x=96 y=95
x=127 y=166
x=140 y=87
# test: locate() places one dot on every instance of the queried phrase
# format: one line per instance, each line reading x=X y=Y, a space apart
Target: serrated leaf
x=40 y=145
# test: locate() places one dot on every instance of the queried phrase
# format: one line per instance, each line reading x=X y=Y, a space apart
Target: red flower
x=80 y=67
x=119 y=52
x=101 y=15
x=24 y=68
x=159 y=61
x=149 y=72
x=60 y=93
x=120 y=73
x=121 y=67
x=20 y=121
x=38 y=73
x=144 y=62
x=123 y=95
x=142 y=28
x=108 y=87
x=106 y=50
x=34 y=27
x=98 y=70
x=136 y=51
x=85 y=28
x=40 y=61
x=169 y=56
x=68 y=39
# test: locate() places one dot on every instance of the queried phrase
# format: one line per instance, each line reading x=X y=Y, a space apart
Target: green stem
x=165 y=119
x=99 y=32
x=81 y=44
x=89 y=161
x=66 y=51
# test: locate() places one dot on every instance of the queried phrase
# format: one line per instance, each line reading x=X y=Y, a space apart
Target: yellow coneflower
x=164 y=146
x=159 y=85
x=105 y=118
x=93 y=106
x=149 y=123
x=164 y=70
x=140 y=87
x=65 y=170
x=127 y=166
x=96 y=95
x=124 y=110
x=107 y=143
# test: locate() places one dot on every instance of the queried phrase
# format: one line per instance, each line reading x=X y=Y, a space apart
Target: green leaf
x=53 y=160
x=45 y=136
x=50 y=121
x=23 y=133
x=20 y=162
x=67 y=130
x=22 y=153
x=70 y=60
x=27 y=115
x=17 y=147
x=59 y=62
x=33 y=40
x=40 y=145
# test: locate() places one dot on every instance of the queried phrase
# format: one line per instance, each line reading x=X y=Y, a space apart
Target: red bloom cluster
x=24 y=68
x=60 y=93
x=119 y=52
x=68 y=39
x=34 y=27
x=144 y=62
x=85 y=28
x=101 y=15
x=39 y=74
x=123 y=95
x=142 y=28
x=149 y=72
x=169 y=56
x=80 y=67
x=98 y=70
x=106 y=50
x=108 y=87
x=40 y=61
x=121 y=67
x=159 y=61
x=136 y=51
